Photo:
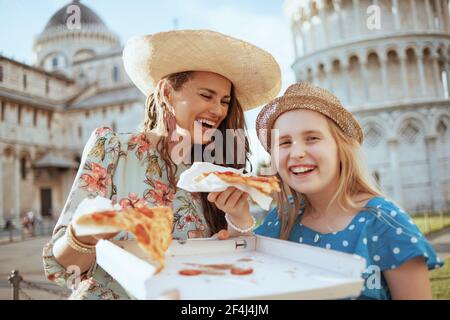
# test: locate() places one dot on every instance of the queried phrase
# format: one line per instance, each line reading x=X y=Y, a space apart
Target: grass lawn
x=440 y=281
x=433 y=223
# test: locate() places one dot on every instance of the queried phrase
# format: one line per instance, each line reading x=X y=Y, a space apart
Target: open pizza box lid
x=281 y=270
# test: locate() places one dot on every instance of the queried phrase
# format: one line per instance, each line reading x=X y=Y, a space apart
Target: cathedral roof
x=87 y=15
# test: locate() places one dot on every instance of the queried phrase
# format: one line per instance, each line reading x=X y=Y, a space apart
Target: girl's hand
x=232 y=201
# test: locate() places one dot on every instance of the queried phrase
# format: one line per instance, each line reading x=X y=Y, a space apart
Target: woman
x=197 y=83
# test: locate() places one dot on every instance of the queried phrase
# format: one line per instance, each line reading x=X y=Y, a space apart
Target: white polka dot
x=376 y=258
x=414 y=240
x=328 y=246
x=399 y=231
x=269 y=223
x=393 y=213
x=411 y=221
x=345 y=243
x=425 y=255
x=300 y=239
x=365 y=240
x=436 y=266
x=276 y=223
x=393 y=266
x=375 y=238
x=316 y=238
x=396 y=250
x=438 y=260
x=379 y=206
x=378 y=213
x=362 y=219
x=351 y=227
x=335 y=233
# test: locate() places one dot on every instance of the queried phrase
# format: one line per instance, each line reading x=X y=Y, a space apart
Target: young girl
x=328 y=201
x=195 y=83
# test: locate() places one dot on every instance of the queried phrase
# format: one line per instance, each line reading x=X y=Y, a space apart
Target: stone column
x=337 y=7
x=344 y=69
x=395 y=170
x=396 y=14
x=365 y=75
x=414 y=14
x=429 y=15
x=357 y=16
x=16 y=175
x=433 y=174
x=423 y=87
x=384 y=75
x=438 y=87
x=294 y=38
x=446 y=19
x=447 y=73
x=324 y=21
x=404 y=71
x=328 y=69
x=438 y=5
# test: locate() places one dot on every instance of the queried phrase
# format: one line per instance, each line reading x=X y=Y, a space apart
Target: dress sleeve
x=94 y=178
x=269 y=227
x=394 y=239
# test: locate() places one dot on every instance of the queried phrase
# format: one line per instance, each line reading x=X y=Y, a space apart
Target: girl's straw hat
x=306 y=96
x=255 y=74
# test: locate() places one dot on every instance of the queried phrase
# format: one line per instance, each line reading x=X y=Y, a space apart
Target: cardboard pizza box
x=280 y=270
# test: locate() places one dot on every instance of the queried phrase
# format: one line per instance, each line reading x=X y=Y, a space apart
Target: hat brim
x=254 y=72
x=270 y=112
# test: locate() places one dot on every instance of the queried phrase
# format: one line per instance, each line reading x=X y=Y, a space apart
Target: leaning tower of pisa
x=388 y=62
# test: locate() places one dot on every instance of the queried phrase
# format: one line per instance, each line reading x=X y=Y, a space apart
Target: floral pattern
x=127 y=169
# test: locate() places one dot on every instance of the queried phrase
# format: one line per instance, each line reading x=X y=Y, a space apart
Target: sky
x=261 y=22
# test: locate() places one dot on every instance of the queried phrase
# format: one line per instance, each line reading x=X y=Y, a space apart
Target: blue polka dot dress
x=382 y=233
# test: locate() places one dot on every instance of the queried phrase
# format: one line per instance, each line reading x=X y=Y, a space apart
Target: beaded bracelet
x=76 y=244
x=231 y=224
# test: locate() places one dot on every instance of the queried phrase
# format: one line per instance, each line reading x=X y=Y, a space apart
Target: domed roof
x=87 y=15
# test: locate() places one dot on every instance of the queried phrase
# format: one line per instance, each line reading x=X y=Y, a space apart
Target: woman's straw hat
x=306 y=96
x=254 y=73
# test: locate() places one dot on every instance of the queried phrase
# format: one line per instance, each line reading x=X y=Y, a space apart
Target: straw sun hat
x=254 y=73
x=306 y=96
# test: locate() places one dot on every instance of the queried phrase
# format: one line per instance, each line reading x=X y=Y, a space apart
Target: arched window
x=373 y=136
x=23 y=167
x=410 y=132
x=116 y=74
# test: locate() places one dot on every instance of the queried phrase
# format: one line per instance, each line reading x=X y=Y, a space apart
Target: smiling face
x=200 y=104
x=308 y=155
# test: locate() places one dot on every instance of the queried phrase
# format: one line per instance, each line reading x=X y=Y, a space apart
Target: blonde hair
x=353 y=180
x=160 y=120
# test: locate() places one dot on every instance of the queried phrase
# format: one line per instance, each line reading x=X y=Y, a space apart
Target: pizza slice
x=265 y=185
x=151 y=226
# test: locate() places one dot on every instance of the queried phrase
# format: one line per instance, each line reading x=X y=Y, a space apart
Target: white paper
x=212 y=183
x=89 y=206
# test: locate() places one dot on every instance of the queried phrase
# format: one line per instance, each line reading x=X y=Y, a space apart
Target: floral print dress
x=127 y=169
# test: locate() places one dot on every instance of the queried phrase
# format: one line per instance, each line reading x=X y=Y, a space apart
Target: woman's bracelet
x=77 y=245
x=231 y=224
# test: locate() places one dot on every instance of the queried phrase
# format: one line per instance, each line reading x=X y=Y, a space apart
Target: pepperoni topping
x=146 y=211
x=190 y=272
x=241 y=271
x=141 y=234
x=103 y=215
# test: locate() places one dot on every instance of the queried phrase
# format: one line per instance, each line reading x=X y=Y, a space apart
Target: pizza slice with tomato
x=151 y=226
x=265 y=185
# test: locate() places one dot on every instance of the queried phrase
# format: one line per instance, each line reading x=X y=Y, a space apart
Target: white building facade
x=388 y=62
x=49 y=109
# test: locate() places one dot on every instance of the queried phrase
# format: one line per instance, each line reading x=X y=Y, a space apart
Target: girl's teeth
x=301 y=170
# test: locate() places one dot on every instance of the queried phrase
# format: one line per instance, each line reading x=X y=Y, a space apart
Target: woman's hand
x=92 y=240
x=232 y=201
